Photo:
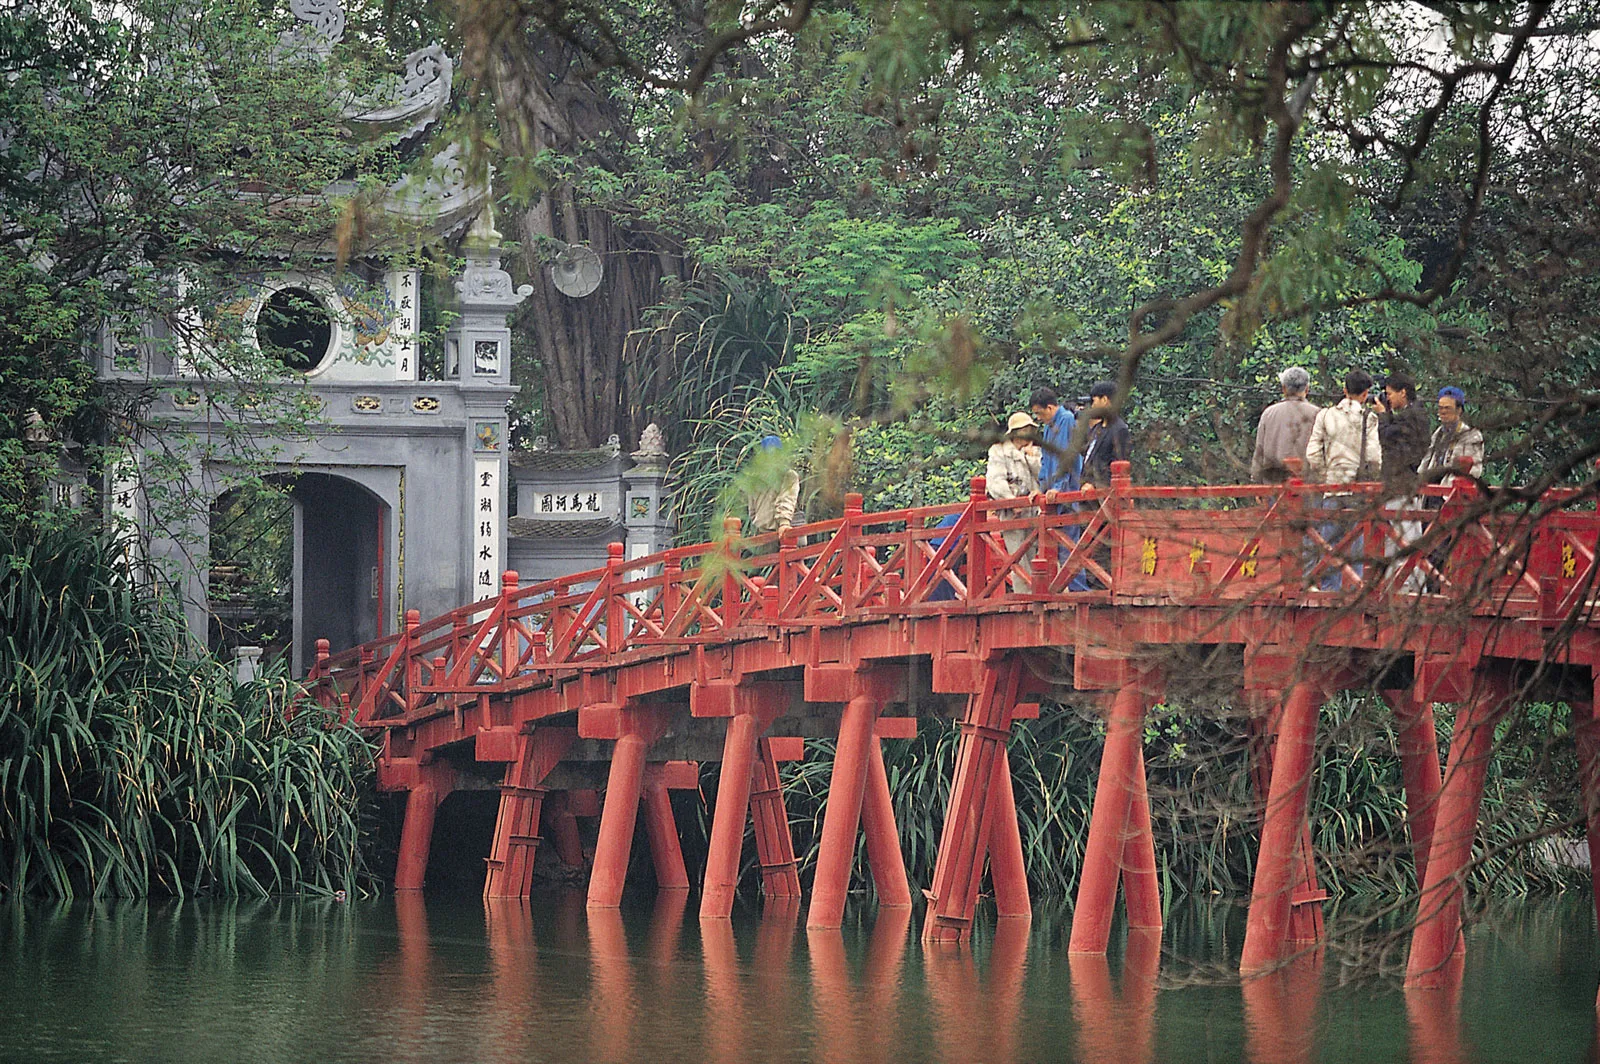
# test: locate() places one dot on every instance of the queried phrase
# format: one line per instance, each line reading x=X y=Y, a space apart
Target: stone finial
x=483 y=284
x=652 y=444
x=614 y=444
x=541 y=443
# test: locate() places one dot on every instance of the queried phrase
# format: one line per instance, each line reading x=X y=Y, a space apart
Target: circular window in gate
x=295 y=327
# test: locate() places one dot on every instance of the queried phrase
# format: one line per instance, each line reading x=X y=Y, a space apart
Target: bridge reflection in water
x=723 y=990
x=514 y=980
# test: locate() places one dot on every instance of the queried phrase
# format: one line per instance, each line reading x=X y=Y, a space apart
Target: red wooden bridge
x=621 y=678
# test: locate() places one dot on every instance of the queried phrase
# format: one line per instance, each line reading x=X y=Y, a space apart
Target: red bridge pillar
x=516 y=828
x=751 y=708
x=864 y=694
x=1267 y=929
x=1120 y=844
x=971 y=815
x=636 y=727
x=433 y=783
x=1305 y=896
x=1438 y=928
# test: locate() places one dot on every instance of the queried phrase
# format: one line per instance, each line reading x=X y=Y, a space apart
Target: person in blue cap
x=772 y=502
x=1453 y=439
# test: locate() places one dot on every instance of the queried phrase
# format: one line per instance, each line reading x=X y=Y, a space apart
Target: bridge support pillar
x=662 y=830
x=883 y=835
x=1305 y=896
x=516 y=838
x=416 y=831
x=561 y=824
x=1588 y=739
x=1007 y=869
x=970 y=815
x=755 y=707
x=1121 y=845
x=842 y=817
x=637 y=729
x=1437 y=931
x=780 y=872
x=1418 y=744
x=1267 y=928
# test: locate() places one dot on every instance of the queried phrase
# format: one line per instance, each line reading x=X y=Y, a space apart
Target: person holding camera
x=1403 y=433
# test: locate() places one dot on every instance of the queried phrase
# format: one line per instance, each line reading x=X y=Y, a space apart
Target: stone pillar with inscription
x=645 y=512
x=481 y=341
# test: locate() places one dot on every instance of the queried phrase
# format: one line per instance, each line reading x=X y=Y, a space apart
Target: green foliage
x=147 y=159
x=128 y=767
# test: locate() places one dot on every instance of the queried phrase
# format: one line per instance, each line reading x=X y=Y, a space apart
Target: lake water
x=452 y=979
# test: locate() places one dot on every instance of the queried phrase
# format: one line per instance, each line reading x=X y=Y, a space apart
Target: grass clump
x=130 y=765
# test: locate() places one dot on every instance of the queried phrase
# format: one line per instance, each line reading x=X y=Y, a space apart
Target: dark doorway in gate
x=295 y=559
x=340 y=570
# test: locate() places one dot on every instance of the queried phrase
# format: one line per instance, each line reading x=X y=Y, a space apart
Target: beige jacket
x=1334 y=450
x=1012 y=473
x=771 y=511
x=1283 y=431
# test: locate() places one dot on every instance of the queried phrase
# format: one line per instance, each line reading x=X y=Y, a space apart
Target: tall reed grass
x=130 y=765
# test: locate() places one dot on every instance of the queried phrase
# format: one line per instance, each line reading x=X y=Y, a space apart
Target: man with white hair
x=1284 y=428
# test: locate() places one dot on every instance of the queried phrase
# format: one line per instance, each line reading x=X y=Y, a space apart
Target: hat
x=1020 y=420
x=1452 y=392
x=770 y=443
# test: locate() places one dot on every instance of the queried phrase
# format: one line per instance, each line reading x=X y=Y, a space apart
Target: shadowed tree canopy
x=1387 y=160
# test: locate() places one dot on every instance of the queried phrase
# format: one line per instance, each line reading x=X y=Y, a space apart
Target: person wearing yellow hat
x=1013 y=473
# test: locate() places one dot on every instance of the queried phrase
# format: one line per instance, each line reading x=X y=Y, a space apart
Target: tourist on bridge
x=1013 y=473
x=772 y=502
x=1060 y=467
x=1284 y=429
x=1453 y=439
x=1344 y=448
x=1108 y=440
x=1403 y=434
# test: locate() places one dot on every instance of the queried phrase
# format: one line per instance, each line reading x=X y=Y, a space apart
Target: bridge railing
x=1233 y=544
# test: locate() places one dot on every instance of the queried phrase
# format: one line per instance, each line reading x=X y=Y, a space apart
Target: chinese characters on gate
x=577 y=502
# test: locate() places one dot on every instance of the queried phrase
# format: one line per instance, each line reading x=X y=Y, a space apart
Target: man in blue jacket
x=1059 y=468
x=1056 y=472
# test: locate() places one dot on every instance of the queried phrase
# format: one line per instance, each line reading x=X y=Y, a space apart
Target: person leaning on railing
x=1343 y=449
x=772 y=509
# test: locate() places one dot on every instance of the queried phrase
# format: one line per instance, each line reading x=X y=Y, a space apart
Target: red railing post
x=1121 y=481
x=616 y=615
x=1042 y=569
x=1291 y=540
x=671 y=589
x=508 y=650
x=852 y=566
x=731 y=557
x=411 y=663
x=977 y=550
x=787 y=542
